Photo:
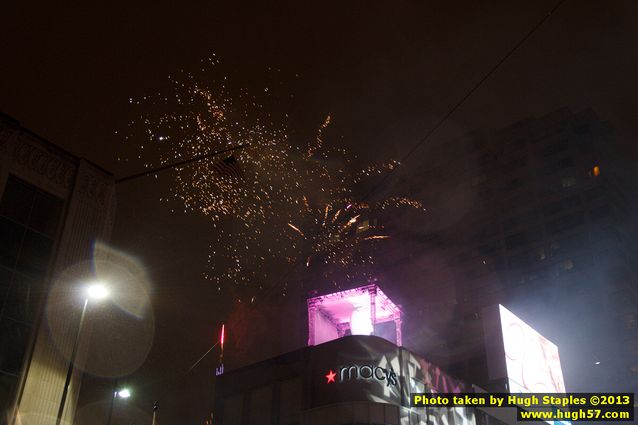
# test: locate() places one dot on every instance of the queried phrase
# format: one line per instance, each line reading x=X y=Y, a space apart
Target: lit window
x=595 y=171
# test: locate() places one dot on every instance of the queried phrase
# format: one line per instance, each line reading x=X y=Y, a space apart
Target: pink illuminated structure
x=357 y=311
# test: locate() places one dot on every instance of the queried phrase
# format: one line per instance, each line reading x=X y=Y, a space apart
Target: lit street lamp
x=123 y=393
x=95 y=292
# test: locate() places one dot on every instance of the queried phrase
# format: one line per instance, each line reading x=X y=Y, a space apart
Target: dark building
x=539 y=217
x=354 y=371
x=53 y=207
x=350 y=380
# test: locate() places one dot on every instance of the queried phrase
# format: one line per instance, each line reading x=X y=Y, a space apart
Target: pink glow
x=353 y=311
x=221 y=339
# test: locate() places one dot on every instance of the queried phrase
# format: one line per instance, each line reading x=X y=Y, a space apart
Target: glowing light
x=595 y=171
x=221 y=338
x=360 y=321
x=330 y=376
x=97 y=291
x=296 y=229
x=124 y=393
x=350 y=223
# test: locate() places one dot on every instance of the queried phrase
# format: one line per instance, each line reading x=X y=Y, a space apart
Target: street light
x=123 y=393
x=95 y=291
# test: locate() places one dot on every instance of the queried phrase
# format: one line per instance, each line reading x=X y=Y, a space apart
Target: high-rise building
x=538 y=217
x=53 y=208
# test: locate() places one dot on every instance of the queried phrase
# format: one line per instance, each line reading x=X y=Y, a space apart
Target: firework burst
x=290 y=204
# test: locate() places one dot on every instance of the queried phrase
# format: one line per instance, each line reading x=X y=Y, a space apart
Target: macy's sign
x=365 y=372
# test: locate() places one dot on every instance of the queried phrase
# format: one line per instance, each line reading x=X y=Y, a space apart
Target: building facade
x=357 y=379
x=539 y=218
x=53 y=208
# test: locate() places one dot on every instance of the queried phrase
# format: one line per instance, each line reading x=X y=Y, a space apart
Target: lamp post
x=123 y=393
x=96 y=292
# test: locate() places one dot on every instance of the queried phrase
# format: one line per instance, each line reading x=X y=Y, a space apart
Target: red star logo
x=330 y=376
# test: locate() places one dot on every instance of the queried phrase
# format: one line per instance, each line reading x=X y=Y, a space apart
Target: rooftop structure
x=360 y=311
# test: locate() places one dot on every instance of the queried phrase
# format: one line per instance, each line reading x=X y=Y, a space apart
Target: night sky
x=385 y=71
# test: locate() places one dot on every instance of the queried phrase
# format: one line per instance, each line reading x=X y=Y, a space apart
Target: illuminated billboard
x=517 y=352
x=532 y=361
